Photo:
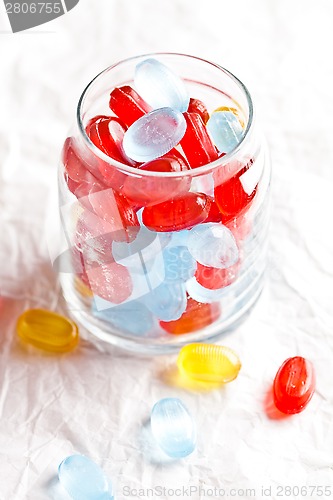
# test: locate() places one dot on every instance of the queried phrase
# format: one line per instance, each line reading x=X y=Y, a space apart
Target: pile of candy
x=172 y=426
x=154 y=250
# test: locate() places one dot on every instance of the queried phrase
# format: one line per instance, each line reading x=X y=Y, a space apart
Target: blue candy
x=160 y=87
x=173 y=427
x=139 y=255
x=133 y=317
x=213 y=245
x=83 y=479
x=179 y=265
x=167 y=301
x=225 y=130
x=154 y=134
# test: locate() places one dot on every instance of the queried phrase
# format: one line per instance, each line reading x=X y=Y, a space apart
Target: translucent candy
x=178 y=213
x=155 y=189
x=196 y=316
x=294 y=385
x=225 y=130
x=139 y=255
x=213 y=245
x=209 y=363
x=47 y=330
x=160 y=87
x=133 y=317
x=167 y=302
x=197 y=106
x=83 y=479
x=230 y=195
x=205 y=295
x=212 y=278
x=196 y=143
x=179 y=265
x=111 y=281
x=233 y=110
x=126 y=103
x=173 y=427
x=154 y=135
x=99 y=132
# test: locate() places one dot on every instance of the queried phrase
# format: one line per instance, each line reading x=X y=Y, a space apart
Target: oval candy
x=154 y=135
x=173 y=427
x=160 y=86
x=83 y=479
x=294 y=385
x=47 y=330
x=209 y=363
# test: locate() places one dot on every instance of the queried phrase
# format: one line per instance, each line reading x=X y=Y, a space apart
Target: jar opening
x=204 y=169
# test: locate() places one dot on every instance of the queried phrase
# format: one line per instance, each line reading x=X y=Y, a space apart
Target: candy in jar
x=47 y=330
x=294 y=385
x=209 y=363
x=83 y=479
x=173 y=427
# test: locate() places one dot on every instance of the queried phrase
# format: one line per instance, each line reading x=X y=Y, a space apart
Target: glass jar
x=154 y=288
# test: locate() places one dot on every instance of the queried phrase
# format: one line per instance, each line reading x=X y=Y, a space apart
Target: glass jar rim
x=194 y=172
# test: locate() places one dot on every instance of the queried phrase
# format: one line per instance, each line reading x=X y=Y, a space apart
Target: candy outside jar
x=169 y=248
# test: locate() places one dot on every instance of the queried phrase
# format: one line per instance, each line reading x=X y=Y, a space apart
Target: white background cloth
x=95 y=402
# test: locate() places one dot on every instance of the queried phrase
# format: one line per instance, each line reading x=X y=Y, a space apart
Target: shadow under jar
x=161 y=259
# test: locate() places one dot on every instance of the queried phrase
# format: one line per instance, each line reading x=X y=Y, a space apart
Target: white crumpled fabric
x=96 y=401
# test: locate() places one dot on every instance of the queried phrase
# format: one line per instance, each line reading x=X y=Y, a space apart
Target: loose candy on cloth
x=209 y=363
x=173 y=427
x=47 y=330
x=126 y=103
x=83 y=479
x=160 y=86
x=154 y=135
x=294 y=385
x=225 y=130
x=213 y=245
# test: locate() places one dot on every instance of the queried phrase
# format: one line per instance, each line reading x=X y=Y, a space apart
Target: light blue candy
x=160 y=87
x=213 y=245
x=179 y=265
x=133 y=317
x=173 y=427
x=139 y=255
x=83 y=479
x=154 y=134
x=167 y=301
x=202 y=294
x=225 y=130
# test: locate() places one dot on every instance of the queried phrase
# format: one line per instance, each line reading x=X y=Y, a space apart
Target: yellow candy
x=82 y=288
x=235 y=111
x=47 y=330
x=209 y=363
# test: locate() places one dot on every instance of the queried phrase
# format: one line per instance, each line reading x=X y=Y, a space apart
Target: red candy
x=151 y=190
x=197 y=106
x=182 y=212
x=196 y=143
x=107 y=134
x=213 y=278
x=214 y=214
x=126 y=103
x=196 y=316
x=230 y=195
x=111 y=281
x=115 y=210
x=294 y=385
